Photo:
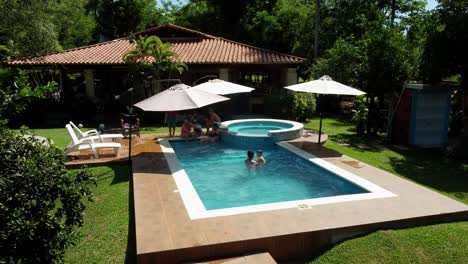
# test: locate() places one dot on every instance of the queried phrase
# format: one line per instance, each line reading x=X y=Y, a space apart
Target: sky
x=431 y=4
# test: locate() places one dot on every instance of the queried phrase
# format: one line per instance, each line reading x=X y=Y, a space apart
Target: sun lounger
x=88 y=143
x=94 y=134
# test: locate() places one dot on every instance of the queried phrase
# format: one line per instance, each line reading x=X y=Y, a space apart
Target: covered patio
x=97 y=72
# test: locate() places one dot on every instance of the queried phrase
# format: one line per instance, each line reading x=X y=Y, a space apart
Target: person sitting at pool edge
x=250 y=163
x=260 y=158
x=212 y=119
x=213 y=136
x=186 y=130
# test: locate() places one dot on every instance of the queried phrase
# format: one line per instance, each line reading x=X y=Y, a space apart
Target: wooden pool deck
x=166 y=234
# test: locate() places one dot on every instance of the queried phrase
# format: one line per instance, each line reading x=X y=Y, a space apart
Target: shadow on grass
x=360 y=143
x=432 y=169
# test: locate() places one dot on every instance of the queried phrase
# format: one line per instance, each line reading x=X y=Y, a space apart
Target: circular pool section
x=257 y=127
x=259 y=133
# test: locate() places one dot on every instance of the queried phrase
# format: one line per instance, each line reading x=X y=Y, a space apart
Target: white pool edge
x=196 y=209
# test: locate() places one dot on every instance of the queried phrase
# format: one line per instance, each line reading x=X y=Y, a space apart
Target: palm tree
x=152 y=58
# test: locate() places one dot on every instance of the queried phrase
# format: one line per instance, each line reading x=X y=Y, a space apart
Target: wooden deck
x=166 y=234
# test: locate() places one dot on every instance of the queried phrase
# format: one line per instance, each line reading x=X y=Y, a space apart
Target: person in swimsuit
x=186 y=130
x=171 y=120
x=250 y=163
x=260 y=158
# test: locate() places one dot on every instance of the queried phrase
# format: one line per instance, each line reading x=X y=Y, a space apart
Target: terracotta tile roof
x=192 y=48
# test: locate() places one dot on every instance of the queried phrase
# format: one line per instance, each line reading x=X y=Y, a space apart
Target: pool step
x=259 y=258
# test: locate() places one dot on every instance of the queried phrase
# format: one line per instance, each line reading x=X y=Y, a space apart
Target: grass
x=444 y=243
x=105 y=233
x=61 y=138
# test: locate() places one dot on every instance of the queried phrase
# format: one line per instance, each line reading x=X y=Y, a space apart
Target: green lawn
x=62 y=139
x=105 y=231
x=444 y=243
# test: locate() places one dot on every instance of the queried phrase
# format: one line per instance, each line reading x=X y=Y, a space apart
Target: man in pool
x=260 y=158
x=250 y=163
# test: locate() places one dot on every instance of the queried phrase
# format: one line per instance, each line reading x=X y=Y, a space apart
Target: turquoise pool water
x=219 y=176
x=257 y=127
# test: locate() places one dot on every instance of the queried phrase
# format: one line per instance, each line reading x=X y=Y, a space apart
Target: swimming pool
x=213 y=180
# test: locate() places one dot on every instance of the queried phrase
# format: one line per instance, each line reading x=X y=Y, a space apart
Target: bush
x=299 y=106
x=41 y=204
x=304 y=105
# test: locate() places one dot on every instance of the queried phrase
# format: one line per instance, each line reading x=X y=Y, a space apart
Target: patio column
x=224 y=74
x=291 y=76
x=89 y=83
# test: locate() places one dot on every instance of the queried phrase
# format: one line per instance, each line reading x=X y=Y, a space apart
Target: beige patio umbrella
x=179 y=97
x=324 y=85
x=221 y=87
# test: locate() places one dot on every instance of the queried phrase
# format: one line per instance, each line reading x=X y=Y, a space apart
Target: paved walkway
x=166 y=234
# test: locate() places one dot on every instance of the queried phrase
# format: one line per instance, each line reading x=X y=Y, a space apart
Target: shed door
x=429 y=119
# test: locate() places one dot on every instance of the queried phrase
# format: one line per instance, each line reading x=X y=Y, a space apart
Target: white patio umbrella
x=221 y=87
x=324 y=85
x=179 y=97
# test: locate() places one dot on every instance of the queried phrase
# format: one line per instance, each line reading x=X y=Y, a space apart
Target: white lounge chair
x=94 y=134
x=88 y=143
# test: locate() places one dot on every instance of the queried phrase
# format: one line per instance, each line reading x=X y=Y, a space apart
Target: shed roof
x=192 y=47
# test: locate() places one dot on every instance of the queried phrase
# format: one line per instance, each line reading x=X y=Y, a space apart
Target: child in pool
x=260 y=158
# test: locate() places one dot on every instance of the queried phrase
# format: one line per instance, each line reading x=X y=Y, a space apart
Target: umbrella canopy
x=325 y=85
x=221 y=87
x=179 y=97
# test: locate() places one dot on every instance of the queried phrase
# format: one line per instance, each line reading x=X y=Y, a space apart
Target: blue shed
x=422 y=117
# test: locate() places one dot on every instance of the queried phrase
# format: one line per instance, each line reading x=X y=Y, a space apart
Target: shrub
x=41 y=204
x=360 y=114
x=304 y=105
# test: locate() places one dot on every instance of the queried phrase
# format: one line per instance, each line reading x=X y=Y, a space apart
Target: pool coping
x=295 y=126
x=196 y=209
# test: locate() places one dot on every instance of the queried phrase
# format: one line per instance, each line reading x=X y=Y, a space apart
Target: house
x=101 y=71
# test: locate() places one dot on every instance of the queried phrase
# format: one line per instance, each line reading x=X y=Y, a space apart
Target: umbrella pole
x=320 y=128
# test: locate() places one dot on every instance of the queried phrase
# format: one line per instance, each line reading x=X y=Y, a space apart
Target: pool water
x=257 y=127
x=219 y=176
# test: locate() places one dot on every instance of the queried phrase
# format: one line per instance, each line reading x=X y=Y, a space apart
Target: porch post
x=224 y=74
x=89 y=83
x=291 y=76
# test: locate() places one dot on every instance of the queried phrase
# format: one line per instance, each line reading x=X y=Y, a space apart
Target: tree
x=17 y=92
x=119 y=18
x=73 y=24
x=41 y=203
x=445 y=51
x=26 y=27
x=152 y=58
